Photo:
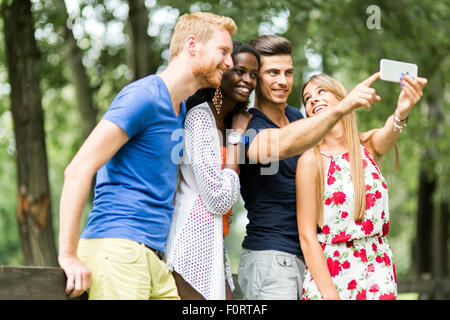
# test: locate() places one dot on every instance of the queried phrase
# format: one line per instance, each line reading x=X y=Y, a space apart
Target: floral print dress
x=358 y=255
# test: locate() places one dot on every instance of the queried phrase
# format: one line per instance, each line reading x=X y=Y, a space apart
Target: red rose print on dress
x=370 y=200
x=346 y=156
x=341 y=237
x=361 y=295
x=385 y=228
x=387 y=260
x=331 y=180
x=374 y=288
x=362 y=254
x=388 y=296
x=332 y=168
x=334 y=266
x=366 y=226
x=352 y=285
x=339 y=197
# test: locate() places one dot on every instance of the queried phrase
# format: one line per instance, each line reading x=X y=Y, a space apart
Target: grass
x=408 y=296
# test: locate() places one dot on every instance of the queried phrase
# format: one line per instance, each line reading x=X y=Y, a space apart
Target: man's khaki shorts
x=125 y=270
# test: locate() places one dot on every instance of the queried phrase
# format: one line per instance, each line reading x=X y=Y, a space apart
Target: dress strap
x=324 y=154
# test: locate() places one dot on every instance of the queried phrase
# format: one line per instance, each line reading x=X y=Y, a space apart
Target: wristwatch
x=235 y=138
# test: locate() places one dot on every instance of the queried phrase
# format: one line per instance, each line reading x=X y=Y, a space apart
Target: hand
x=240 y=121
x=412 y=91
x=78 y=275
x=362 y=95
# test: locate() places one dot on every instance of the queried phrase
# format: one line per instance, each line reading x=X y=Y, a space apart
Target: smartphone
x=391 y=70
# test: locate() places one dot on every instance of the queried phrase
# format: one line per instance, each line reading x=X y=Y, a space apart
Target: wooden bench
x=33 y=283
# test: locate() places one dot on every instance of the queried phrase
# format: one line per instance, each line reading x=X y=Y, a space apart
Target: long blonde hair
x=354 y=147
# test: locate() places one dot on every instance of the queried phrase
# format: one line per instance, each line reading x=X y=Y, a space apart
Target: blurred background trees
x=62 y=63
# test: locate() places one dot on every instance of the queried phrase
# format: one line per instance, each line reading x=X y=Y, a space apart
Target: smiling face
x=317 y=98
x=276 y=78
x=213 y=59
x=241 y=80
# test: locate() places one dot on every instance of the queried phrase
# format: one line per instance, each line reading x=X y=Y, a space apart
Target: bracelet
x=398 y=126
x=400 y=120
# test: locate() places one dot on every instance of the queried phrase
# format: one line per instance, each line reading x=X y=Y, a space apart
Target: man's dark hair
x=271 y=45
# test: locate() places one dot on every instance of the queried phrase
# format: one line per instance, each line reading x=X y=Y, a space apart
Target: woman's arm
x=218 y=188
x=386 y=137
x=307 y=225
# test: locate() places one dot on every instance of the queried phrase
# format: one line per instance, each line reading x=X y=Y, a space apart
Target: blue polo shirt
x=270 y=199
x=134 y=191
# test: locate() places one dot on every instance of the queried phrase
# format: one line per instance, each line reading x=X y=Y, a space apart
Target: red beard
x=207 y=73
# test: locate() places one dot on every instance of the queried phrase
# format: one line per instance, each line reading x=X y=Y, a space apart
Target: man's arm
x=103 y=142
x=276 y=144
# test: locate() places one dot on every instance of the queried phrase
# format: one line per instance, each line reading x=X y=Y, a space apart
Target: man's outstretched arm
x=276 y=144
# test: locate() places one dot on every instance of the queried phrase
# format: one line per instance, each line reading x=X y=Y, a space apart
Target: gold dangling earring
x=217 y=100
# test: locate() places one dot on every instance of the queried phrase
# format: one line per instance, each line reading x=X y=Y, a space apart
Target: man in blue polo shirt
x=119 y=255
x=271 y=264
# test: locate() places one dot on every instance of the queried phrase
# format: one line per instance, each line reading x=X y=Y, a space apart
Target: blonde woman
x=342 y=197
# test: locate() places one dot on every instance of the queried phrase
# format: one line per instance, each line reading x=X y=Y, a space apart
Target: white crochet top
x=195 y=245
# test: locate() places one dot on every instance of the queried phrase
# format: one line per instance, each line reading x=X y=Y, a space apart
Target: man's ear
x=191 y=44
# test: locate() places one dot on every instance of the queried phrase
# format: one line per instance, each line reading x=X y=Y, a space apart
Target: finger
x=368 y=82
x=76 y=293
x=87 y=281
x=418 y=82
x=411 y=81
x=70 y=285
x=364 y=103
x=410 y=90
x=411 y=96
x=370 y=98
x=368 y=90
x=422 y=81
x=416 y=86
x=77 y=286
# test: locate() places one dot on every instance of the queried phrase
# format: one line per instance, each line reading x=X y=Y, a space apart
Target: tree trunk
x=81 y=82
x=140 y=48
x=33 y=201
x=422 y=254
x=440 y=241
x=427 y=250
